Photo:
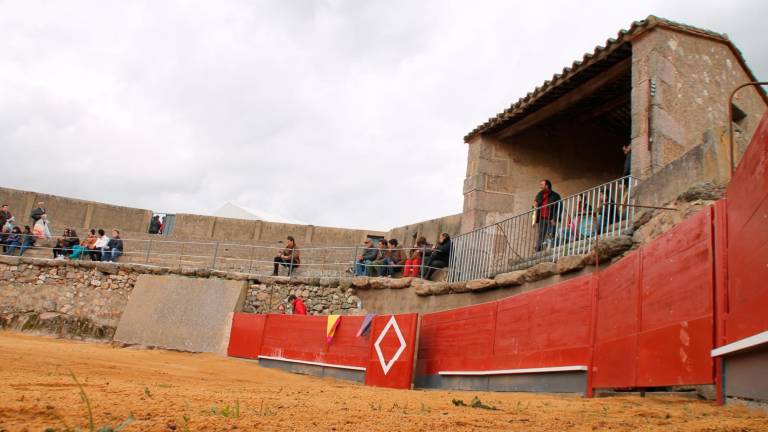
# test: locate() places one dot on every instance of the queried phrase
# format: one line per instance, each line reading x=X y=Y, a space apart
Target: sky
x=337 y=113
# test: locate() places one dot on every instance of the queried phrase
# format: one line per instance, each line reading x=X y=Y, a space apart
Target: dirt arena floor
x=201 y=392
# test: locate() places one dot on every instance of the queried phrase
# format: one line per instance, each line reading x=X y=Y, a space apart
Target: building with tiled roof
x=660 y=86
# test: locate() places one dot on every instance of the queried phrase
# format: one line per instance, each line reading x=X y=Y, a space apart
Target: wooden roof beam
x=610 y=75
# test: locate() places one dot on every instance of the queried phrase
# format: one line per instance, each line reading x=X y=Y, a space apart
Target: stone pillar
x=88 y=216
x=487 y=186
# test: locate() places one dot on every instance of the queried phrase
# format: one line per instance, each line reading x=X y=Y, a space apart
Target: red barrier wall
x=246 y=335
x=747 y=296
x=645 y=321
x=303 y=338
x=542 y=328
x=392 y=364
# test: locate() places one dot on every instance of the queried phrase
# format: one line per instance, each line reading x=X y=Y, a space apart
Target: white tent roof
x=231 y=210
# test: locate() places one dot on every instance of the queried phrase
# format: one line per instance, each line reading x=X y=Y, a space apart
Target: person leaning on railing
x=85 y=246
x=547 y=212
x=114 y=248
x=28 y=240
x=438 y=257
x=12 y=241
x=413 y=263
x=100 y=243
x=378 y=264
x=288 y=257
x=394 y=262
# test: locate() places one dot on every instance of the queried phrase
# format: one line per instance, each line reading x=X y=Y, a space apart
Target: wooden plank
x=604 y=78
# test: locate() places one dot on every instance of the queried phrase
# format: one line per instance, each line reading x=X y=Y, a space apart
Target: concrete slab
x=177 y=312
x=314 y=370
x=555 y=382
x=745 y=374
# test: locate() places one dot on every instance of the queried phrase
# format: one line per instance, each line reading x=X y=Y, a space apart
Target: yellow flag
x=330 y=329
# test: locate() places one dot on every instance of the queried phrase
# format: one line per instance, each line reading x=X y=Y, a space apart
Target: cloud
x=340 y=113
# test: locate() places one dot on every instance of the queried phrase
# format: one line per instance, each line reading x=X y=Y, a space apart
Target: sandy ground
x=200 y=392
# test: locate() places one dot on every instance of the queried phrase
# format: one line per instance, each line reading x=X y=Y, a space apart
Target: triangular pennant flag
x=330 y=329
x=366 y=324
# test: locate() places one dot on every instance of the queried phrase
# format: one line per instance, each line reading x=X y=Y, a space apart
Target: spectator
x=627 y=149
x=585 y=220
x=413 y=263
x=5 y=215
x=379 y=262
x=41 y=229
x=281 y=308
x=100 y=243
x=64 y=244
x=395 y=261
x=37 y=213
x=368 y=255
x=84 y=247
x=28 y=240
x=288 y=257
x=114 y=248
x=4 y=233
x=9 y=224
x=154 y=225
x=438 y=257
x=13 y=241
x=297 y=305
x=546 y=210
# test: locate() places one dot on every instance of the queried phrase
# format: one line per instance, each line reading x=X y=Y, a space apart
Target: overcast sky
x=336 y=113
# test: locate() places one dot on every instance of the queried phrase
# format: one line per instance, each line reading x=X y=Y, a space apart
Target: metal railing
x=567 y=227
x=330 y=261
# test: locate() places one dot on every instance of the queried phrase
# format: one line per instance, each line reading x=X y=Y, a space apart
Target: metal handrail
x=221 y=258
x=520 y=241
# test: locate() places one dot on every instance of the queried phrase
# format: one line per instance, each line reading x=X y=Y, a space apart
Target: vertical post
x=354 y=262
x=181 y=253
x=149 y=248
x=250 y=261
x=290 y=264
x=423 y=261
x=215 y=254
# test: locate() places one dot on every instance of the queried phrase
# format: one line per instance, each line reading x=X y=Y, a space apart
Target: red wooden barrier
x=655 y=311
x=748 y=241
x=303 y=338
x=393 y=344
x=549 y=327
x=246 y=335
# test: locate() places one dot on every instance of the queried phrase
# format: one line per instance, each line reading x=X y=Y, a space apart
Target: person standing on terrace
x=37 y=212
x=547 y=210
x=288 y=257
x=5 y=215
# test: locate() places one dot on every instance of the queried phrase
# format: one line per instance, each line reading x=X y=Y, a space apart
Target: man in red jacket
x=298 y=305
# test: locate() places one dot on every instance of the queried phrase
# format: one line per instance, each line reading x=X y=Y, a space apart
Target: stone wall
x=324 y=296
x=431 y=229
x=133 y=223
x=694 y=77
x=55 y=296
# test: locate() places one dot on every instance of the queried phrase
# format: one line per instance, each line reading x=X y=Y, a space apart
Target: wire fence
x=330 y=261
x=567 y=227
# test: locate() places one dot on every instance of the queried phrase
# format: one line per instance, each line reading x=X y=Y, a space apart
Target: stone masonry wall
x=319 y=299
x=55 y=297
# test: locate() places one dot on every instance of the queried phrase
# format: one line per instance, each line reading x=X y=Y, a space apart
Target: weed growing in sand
x=520 y=409
x=185 y=426
x=425 y=409
x=147 y=393
x=374 y=407
x=265 y=411
x=91 y=426
x=231 y=412
x=475 y=403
